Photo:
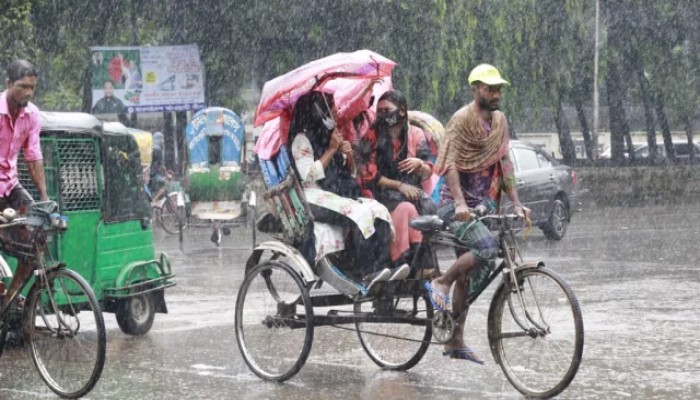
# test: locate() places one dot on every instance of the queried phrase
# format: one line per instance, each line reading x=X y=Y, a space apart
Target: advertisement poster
x=146 y=79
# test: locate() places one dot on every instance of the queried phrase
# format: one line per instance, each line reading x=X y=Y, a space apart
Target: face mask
x=327 y=121
x=388 y=118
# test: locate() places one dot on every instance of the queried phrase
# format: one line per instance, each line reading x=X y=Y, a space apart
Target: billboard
x=146 y=79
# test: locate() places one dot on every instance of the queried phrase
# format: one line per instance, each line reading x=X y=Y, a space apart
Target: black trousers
x=366 y=255
x=18 y=198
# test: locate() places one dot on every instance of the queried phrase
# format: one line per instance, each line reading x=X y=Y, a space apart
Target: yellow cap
x=487 y=74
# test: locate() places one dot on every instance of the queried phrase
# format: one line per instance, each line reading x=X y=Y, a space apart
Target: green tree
x=16 y=31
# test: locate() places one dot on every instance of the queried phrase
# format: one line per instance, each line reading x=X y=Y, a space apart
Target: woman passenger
x=397 y=167
x=325 y=164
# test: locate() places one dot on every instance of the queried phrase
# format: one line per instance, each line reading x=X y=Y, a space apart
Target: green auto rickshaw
x=95 y=177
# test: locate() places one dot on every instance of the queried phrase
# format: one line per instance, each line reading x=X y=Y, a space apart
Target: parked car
x=681 y=146
x=641 y=150
x=545 y=186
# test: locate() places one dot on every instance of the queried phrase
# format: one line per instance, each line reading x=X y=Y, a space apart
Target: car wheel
x=558 y=221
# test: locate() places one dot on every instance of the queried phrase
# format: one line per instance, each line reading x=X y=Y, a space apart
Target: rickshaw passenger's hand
x=411 y=165
x=411 y=192
x=346 y=148
x=371 y=84
x=336 y=140
x=462 y=212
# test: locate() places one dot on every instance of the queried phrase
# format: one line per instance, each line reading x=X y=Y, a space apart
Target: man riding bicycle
x=474 y=158
x=20 y=126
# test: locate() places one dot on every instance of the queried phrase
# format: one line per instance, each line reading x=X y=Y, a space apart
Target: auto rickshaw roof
x=72 y=122
x=145 y=142
x=115 y=127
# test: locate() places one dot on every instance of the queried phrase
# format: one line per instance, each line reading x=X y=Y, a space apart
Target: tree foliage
x=544 y=47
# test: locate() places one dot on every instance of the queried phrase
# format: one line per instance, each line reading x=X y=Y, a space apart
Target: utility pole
x=596 y=50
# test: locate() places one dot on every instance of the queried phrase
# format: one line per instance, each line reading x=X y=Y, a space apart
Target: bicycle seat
x=427 y=223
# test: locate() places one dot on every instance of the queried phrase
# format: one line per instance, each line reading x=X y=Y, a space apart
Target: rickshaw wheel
x=396 y=346
x=135 y=314
x=274 y=321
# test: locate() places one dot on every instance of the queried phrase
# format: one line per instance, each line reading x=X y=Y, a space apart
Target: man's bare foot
x=459 y=350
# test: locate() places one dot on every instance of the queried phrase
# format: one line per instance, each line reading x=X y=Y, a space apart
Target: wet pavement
x=634 y=271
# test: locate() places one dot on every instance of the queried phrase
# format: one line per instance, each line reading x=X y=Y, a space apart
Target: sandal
x=464 y=354
x=434 y=292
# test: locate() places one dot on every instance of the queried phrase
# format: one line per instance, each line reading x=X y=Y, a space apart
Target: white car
x=641 y=150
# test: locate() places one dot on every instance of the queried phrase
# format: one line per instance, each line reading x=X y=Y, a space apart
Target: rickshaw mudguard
x=141 y=277
x=530 y=264
x=295 y=258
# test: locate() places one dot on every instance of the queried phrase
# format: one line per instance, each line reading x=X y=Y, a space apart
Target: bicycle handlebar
x=4 y=223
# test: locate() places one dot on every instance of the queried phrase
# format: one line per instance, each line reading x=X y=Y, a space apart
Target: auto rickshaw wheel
x=135 y=314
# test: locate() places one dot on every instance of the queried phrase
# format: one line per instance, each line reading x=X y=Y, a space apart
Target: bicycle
x=535 y=326
x=61 y=320
x=170 y=209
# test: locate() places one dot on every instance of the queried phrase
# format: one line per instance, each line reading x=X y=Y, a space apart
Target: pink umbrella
x=345 y=92
x=344 y=77
x=279 y=95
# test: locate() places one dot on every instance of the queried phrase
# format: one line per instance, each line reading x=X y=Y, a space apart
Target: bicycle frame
x=508 y=251
x=32 y=256
x=507 y=269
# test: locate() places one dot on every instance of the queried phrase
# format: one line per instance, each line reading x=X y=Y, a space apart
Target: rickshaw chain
x=381 y=334
x=376 y=333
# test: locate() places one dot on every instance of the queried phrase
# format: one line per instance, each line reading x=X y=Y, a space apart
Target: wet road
x=634 y=271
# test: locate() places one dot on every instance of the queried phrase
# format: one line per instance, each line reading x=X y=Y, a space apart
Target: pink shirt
x=23 y=134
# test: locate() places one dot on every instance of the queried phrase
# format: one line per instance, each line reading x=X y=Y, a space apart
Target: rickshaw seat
x=285 y=197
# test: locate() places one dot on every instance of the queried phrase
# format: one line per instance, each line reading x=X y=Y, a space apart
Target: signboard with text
x=146 y=79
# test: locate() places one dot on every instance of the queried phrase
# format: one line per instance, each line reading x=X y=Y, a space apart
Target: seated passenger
x=397 y=167
x=325 y=165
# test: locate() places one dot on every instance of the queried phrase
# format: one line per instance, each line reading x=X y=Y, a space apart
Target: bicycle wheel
x=274 y=321
x=65 y=332
x=538 y=345
x=396 y=345
x=169 y=216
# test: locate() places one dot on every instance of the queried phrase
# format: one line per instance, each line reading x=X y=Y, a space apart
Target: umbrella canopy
x=345 y=90
x=279 y=95
x=345 y=75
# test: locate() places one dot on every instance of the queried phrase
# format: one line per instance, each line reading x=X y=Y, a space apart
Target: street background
x=634 y=270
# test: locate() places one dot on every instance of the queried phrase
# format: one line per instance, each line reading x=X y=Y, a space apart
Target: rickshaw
x=95 y=177
x=216 y=181
x=172 y=209
x=535 y=326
